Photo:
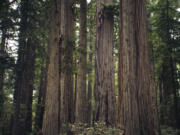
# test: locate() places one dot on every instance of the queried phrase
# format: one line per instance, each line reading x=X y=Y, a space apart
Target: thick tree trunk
x=82 y=70
x=104 y=65
x=51 y=114
x=67 y=33
x=137 y=101
x=22 y=122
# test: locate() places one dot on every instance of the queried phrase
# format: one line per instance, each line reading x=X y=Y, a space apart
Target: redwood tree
x=137 y=107
x=104 y=64
x=66 y=61
x=51 y=113
x=22 y=117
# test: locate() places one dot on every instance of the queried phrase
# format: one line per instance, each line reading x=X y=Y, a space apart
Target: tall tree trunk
x=161 y=101
x=81 y=82
x=89 y=96
x=22 y=121
x=2 y=53
x=75 y=93
x=41 y=97
x=75 y=87
x=51 y=113
x=67 y=33
x=104 y=65
x=174 y=88
x=2 y=72
x=137 y=104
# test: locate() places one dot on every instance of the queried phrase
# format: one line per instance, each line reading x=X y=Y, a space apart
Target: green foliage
x=164 y=37
x=7 y=17
x=166 y=130
x=111 y=9
x=6 y=61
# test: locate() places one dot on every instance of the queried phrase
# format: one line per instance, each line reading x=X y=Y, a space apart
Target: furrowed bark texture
x=22 y=117
x=137 y=109
x=82 y=70
x=104 y=65
x=67 y=32
x=51 y=113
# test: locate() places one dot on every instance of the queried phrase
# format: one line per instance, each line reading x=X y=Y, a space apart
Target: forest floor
x=102 y=129
x=166 y=130
x=96 y=129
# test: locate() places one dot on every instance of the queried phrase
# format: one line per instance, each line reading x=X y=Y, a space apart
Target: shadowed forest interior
x=89 y=67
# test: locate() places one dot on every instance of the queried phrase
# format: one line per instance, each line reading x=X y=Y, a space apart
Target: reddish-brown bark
x=137 y=98
x=104 y=65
